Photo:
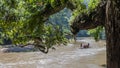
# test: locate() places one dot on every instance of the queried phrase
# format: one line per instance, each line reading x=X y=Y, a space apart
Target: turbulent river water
x=62 y=57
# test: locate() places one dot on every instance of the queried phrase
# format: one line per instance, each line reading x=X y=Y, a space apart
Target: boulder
x=17 y=49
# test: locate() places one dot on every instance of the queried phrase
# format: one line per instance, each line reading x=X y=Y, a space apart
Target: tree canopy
x=24 y=20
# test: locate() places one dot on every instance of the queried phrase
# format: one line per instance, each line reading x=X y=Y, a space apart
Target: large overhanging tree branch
x=34 y=13
x=38 y=18
x=91 y=20
x=34 y=26
x=59 y=5
x=83 y=21
x=42 y=16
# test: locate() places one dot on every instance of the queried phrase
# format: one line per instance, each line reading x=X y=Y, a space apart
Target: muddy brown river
x=62 y=57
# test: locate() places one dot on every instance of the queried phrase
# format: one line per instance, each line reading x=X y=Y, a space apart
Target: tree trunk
x=113 y=33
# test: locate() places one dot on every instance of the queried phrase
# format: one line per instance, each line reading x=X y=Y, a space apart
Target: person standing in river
x=84 y=45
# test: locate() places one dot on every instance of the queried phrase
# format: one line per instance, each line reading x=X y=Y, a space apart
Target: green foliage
x=96 y=32
x=22 y=21
x=63 y=1
x=83 y=8
x=53 y=36
x=53 y=3
x=92 y=4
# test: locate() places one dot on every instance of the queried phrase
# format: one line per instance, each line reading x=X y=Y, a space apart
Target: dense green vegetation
x=27 y=20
